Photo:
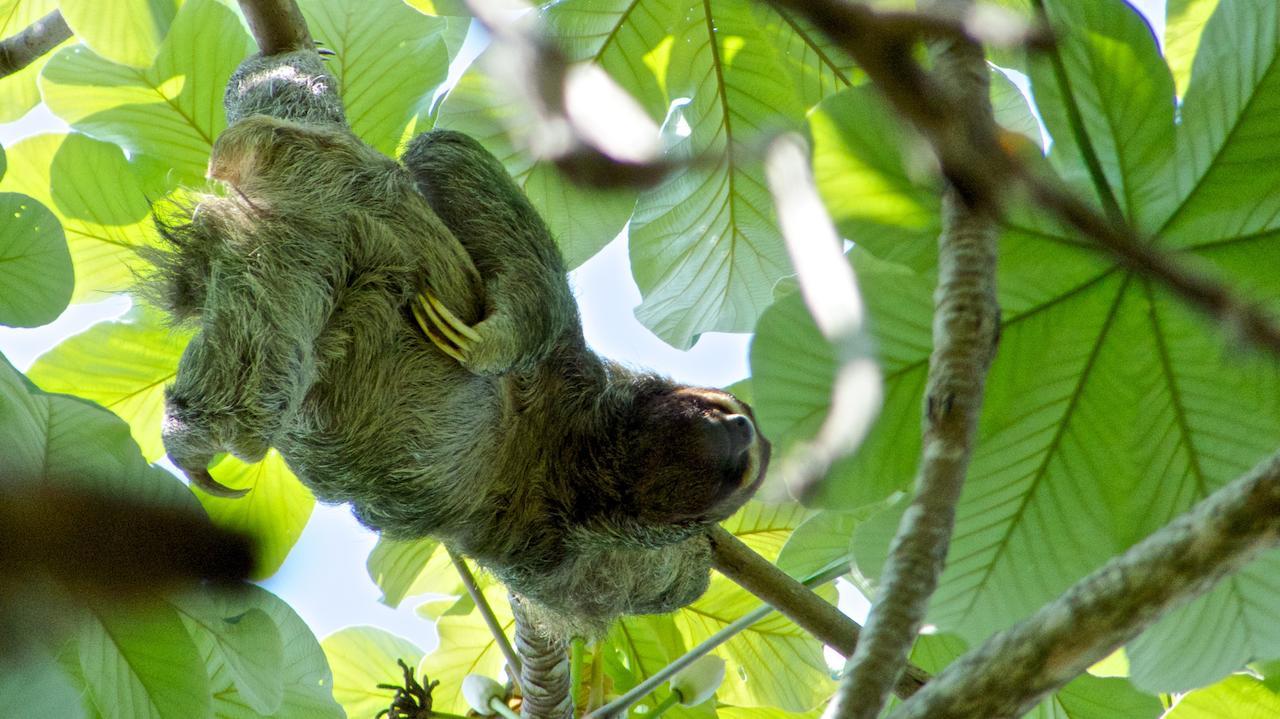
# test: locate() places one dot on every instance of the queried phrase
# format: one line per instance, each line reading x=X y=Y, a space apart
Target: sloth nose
x=741 y=432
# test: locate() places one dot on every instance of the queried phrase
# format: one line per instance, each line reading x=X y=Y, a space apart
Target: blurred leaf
x=99 y=197
x=818 y=541
x=18 y=91
x=1183 y=24
x=122 y=365
x=388 y=61
x=248 y=645
x=439 y=7
x=171 y=110
x=35 y=267
x=1011 y=109
x=393 y=565
x=1236 y=697
x=362 y=658
x=36 y=680
x=273 y=513
x=141 y=664
x=128 y=32
x=466 y=647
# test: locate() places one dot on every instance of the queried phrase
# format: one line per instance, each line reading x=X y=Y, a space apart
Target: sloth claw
x=453 y=336
x=206 y=483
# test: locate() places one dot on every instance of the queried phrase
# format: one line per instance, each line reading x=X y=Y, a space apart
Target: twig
x=965 y=328
x=490 y=619
x=26 y=47
x=982 y=169
x=1016 y=668
x=277 y=26
x=640 y=691
x=796 y=601
x=544 y=678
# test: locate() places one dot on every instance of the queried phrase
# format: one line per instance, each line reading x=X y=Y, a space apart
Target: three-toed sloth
x=407 y=340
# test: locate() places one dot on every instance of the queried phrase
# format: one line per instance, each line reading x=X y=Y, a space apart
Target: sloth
x=405 y=336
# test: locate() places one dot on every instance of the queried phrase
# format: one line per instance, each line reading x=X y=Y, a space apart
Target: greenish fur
x=571 y=478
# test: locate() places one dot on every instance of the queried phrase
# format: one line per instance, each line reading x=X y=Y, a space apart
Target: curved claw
x=206 y=483
x=453 y=336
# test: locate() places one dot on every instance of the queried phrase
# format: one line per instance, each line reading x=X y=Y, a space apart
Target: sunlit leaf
x=1184 y=22
x=639 y=646
x=35 y=267
x=128 y=32
x=248 y=645
x=1236 y=697
x=362 y=658
x=18 y=91
x=273 y=513
x=394 y=564
x=466 y=647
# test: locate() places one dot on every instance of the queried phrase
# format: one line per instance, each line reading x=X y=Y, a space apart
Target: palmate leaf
x=362 y=658
x=98 y=195
x=35 y=267
x=1110 y=407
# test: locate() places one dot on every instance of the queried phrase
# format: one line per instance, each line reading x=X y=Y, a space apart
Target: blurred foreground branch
x=26 y=47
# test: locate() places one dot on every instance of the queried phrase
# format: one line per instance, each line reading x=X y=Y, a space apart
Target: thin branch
x=620 y=705
x=490 y=619
x=26 y=47
x=544 y=678
x=1015 y=669
x=972 y=157
x=965 y=327
x=735 y=560
x=277 y=26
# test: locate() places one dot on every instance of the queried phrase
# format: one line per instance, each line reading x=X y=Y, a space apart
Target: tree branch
x=1016 y=668
x=544 y=676
x=26 y=47
x=982 y=170
x=514 y=670
x=965 y=329
x=277 y=26
x=735 y=560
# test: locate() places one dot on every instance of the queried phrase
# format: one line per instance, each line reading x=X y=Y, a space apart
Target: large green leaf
x=123 y=366
x=171 y=110
x=639 y=646
x=362 y=658
x=128 y=32
x=304 y=672
x=141 y=664
x=35 y=267
x=98 y=195
x=273 y=513
x=1183 y=24
x=18 y=92
x=388 y=60
x=1236 y=697
x=1226 y=169
x=248 y=645
x=1105 y=71
x=466 y=647
x=582 y=220
x=394 y=564
x=38 y=680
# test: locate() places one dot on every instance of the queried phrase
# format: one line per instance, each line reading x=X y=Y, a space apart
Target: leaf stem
x=486 y=612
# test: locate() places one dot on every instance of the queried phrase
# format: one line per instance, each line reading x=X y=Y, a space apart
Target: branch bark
x=1015 y=669
x=544 y=675
x=277 y=26
x=965 y=330
x=796 y=602
x=26 y=47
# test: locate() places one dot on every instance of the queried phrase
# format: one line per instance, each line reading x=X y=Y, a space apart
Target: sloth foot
x=453 y=336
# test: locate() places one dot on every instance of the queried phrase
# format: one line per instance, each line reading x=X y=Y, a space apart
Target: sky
x=324 y=577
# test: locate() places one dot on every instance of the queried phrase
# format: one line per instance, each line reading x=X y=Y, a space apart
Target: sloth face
x=699 y=455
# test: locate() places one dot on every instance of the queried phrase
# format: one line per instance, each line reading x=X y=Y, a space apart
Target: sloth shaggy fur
x=583 y=485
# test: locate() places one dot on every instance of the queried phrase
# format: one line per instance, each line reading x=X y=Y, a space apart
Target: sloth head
x=695 y=456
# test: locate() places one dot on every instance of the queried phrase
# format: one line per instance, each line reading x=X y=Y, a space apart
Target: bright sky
x=324 y=578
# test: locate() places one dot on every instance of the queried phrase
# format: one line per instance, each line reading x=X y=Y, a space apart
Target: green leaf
x=583 y=220
x=1228 y=134
x=128 y=32
x=388 y=61
x=394 y=564
x=466 y=647
x=38 y=680
x=362 y=658
x=141 y=664
x=1105 y=68
x=639 y=646
x=273 y=513
x=18 y=91
x=1236 y=697
x=171 y=110
x=818 y=541
x=1011 y=109
x=35 y=267
x=248 y=644
x=99 y=197
x=1183 y=23
x=123 y=366
x=304 y=672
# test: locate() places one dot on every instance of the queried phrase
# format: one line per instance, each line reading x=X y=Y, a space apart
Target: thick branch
x=544 y=676
x=794 y=600
x=971 y=156
x=965 y=326
x=277 y=26
x=1015 y=669
x=27 y=46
